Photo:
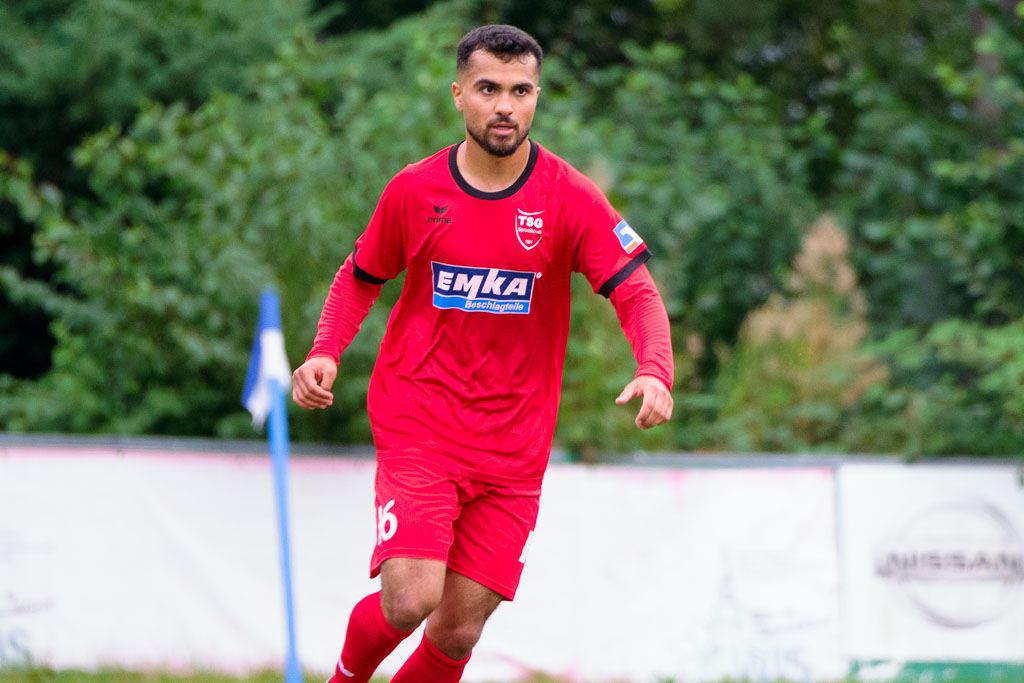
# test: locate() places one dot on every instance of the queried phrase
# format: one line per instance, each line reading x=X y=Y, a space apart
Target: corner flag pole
x=278 y=435
x=266 y=382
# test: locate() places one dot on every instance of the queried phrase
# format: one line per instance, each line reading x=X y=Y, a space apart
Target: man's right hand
x=311 y=382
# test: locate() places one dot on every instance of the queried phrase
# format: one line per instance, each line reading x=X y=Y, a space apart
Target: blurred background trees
x=832 y=191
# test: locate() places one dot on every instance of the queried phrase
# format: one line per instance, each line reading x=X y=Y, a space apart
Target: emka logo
x=440 y=217
x=482 y=290
x=529 y=227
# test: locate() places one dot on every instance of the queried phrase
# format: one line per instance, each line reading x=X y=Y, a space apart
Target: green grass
x=948 y=673
x=113 y=676
x=44 y=675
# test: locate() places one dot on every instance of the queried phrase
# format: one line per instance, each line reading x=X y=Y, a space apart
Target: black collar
x=453 y=166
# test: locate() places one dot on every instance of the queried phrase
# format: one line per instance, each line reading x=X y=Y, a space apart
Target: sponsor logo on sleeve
x=529 y=228
x=628 y=238
x=482 y=290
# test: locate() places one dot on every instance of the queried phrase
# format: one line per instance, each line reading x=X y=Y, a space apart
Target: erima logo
x=482 y=290
x=440 y=217
x=627 y=237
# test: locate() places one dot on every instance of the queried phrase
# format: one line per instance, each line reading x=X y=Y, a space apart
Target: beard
x=501 y=147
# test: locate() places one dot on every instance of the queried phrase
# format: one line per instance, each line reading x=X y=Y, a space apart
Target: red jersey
x=470 y=368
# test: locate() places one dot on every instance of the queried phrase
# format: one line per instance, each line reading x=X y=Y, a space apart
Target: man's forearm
x=347 y=305
x=644 y=321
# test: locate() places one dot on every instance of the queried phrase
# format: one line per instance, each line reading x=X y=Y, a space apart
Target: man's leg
x=421 y=503
x=410 y=590
x=452 y=631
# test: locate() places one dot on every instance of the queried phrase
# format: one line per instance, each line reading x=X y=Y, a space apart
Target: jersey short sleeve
x=606 y=249
x=380 y=250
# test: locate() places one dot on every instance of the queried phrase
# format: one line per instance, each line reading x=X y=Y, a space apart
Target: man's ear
x=457 y=95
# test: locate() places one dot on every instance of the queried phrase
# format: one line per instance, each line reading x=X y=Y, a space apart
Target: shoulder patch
x=629 y=240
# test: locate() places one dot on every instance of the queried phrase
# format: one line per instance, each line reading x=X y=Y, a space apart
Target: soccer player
x=465 y=391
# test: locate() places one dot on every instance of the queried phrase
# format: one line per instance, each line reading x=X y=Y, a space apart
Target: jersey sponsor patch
x=529 y=228
x=628 y=237
x=482 y=290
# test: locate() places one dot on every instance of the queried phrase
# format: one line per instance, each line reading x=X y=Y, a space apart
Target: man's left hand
x=657 y=405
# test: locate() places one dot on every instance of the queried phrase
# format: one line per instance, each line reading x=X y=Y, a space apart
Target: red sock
x=427 y=664
x=369 y=639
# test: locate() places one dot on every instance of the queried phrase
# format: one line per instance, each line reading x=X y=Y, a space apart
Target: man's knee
x=405 y=607
x=455 y=627
x=410 y=591
x=455 y=639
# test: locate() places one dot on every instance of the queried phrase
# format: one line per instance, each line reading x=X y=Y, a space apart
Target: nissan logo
x=961 y=564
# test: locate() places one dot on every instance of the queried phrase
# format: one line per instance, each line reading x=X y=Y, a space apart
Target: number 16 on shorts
x=387 y=523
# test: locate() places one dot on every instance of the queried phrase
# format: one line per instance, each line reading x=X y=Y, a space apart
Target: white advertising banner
x=932 y=562
x=169 y=560
x=685 y=574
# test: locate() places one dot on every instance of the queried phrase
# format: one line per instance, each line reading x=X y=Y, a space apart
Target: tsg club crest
x=529 y=228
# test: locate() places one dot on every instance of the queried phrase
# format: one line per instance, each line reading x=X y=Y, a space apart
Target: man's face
x=497 y=100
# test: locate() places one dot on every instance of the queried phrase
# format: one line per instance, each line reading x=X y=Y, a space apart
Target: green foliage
x=74 y=66
x=958 y=389
x=798 y=368
x=957 y=382
x=192 y=213
x=69 y=68
x=701 y=169
x=598 y=365
x=220 y=147
x=22 y=202
x=712 y=183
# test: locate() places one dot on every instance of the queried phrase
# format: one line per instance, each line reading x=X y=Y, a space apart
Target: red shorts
x=479 y=530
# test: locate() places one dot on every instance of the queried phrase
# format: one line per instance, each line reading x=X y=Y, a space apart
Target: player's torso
x=486 y=254
x=471 y=363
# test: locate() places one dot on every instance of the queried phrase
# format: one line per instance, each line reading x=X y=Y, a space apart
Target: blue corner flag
x=266 y=382
x=268 y=361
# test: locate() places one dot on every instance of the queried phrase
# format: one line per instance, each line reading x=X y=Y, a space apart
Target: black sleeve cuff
x=619 y=277
x=363 y=275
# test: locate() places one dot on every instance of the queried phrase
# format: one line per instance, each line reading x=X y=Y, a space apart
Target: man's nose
x=504 y=104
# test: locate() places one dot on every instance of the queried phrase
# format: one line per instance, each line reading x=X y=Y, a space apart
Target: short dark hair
x=501 y=40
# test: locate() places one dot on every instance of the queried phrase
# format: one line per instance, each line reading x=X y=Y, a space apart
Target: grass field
x=966 y=673
x=49 y=676
x=113 y=676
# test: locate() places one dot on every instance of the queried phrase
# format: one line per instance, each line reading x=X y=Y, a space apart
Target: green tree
x=958 y=384
x=192 y=212
x=219 y=149
x=799 y=368
x=69 y=68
